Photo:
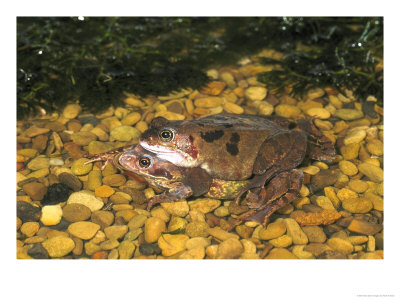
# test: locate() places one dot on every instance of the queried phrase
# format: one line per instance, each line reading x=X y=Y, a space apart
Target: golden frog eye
x=166 y=135
x=144 y=162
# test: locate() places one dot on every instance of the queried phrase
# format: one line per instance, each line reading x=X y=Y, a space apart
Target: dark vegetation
x=95 y=60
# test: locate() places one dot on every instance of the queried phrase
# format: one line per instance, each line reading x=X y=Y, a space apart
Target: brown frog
x=178 y=182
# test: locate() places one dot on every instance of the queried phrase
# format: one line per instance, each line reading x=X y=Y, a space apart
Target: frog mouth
x=156 y=148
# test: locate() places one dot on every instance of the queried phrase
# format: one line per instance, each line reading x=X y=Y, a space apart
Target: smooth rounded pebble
x=280 y=253
x=320 y=113
x=355 y=136
x=83 y=229
x=58 y=246
x=38 y=163
x=340 y=245
x=75 y=212
x=51 y=215
x=178 y=208
x=287 y=111
x=86 y=198
x=204 y=205
x=71 y=111
x=348 y=114
x=172 y=244
x=373 y=172
x=255 y=93
x=30 y=228
x=348 y=168
x=295 y=232
x=153 y=228
x=115 y=232
x=357 y=205
x=78 y=167
x=125 y=133
x=104 y=191
x=273 y=230
x=229 y=249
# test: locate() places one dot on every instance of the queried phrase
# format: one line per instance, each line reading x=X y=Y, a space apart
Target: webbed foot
x=280 y=191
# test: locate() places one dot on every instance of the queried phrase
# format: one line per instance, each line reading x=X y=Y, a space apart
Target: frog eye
x=145 y=162
x=166 y=135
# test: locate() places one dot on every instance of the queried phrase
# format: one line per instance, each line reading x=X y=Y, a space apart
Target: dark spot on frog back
x=232 y=146
x=211 y=136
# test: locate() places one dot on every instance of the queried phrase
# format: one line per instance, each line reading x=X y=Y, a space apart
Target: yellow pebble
x=233 y=108
x=104 y=191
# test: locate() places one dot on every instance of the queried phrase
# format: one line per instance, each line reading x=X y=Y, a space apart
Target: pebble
x=71 y=111
x=229 y=249
x=172 y=244
x=341 y=245
x=265 y=108
x=324 y=203
x=120 y=198
x=104 y=191
x=317 y=249
x=295 y=232
x=149 y=249
x=125 y=133
x=94 y=180
x=348 y=168
x=114 y=180
x=346 y=194
x=38 y=163
x=101 y=135
x=137 y=222
x=27 y=212
x=287 y=111
x=221 y=211
x=348 y=114
x=376 y=200
x=204 y=205
x=195 y=253
x=197 y=242
x=40 y=143
x=320 y=113
x=109 y=244
x=350 y=151
x=78 y=167
x=70 y=180
x=331 y=194
x=86 y=198
x=153 y=228
x=312 y=170
x=214 y=88
x=83 y=229
x=178 y=208
x=354 y=136
x=315 y=234
x=255 y=93
x=324 y=178
x=244 y=231
x=115 y=232
x=373 y=172
x=96 y=147
x=39 y=173
x=280 y=253
x=375 y=147
x=282 y=241
x=91 y=248
x=197 y=228
x=160 y=213
x=358 y=239
x=299 y=251
x=177 y=224
x=56 y=162
x=51 y=215
x=233 y=108
x=83 y=138
x=35 y=131
x=58 y=246
x=131 y=119
x=208 y=102
x=37 y=251
x=273 y=230
x=357 y=205
x=364 y=227
x=76 y=212
x=35 y=190
x=56 y=193
x=221 y=234
x=29 y=229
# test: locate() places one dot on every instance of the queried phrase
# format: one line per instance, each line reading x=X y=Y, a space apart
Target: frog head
x=171 y=141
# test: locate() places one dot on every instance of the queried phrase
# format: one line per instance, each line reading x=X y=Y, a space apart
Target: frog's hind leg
x=280 y=191
x=278 y=153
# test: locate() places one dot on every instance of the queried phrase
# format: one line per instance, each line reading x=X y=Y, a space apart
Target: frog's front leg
x=177 y=191
x=280 y=152
x=280 y=191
